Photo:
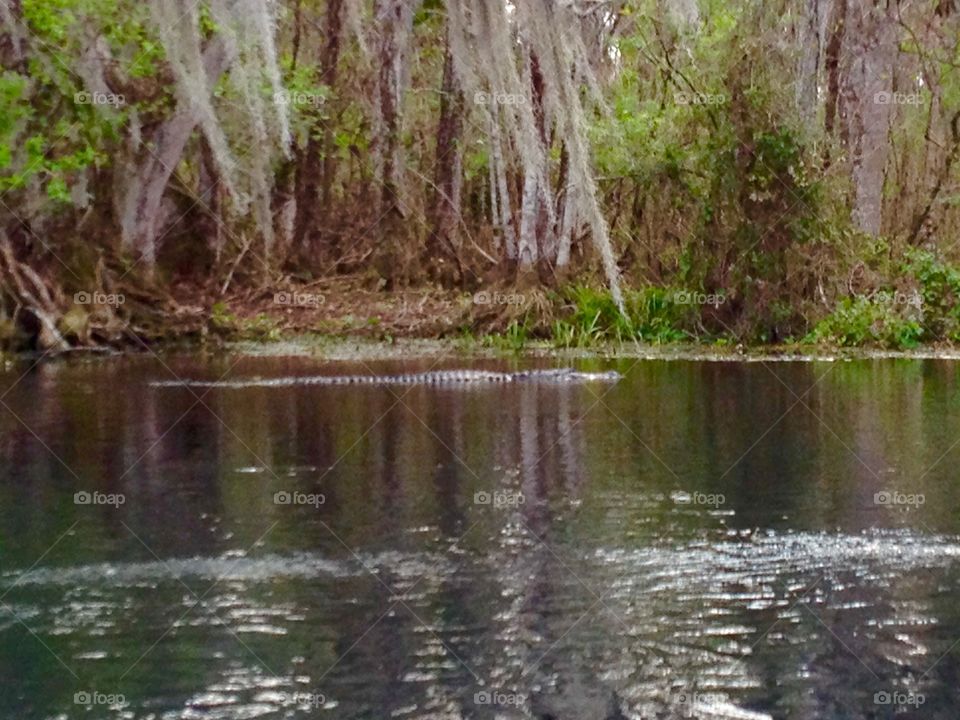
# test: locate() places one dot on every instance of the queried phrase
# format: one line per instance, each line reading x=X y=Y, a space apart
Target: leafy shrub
x=652 y=315
x=939 y=285
x=869 y=320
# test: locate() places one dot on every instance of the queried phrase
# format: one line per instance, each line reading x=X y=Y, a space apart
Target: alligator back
x=436 y=377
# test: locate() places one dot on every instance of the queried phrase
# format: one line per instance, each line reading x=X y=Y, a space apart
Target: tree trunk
x=315 y=164
x=531 y=211
x=330 y=63
x=504 y=207
x=868 y=97
x=143 y=187
x=443 y=244
x=808 y=79
x=836 y=29
x=395 y=20
x=12 y=38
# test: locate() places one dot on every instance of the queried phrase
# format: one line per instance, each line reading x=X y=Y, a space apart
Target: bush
x=868 y=320
x=652 y=315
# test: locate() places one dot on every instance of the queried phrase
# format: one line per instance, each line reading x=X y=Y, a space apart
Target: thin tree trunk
x=448 y=172
x=563 y=197
x=12 y=37
x=531 y=225
x=494 y=202
x=315 y=166
x=330 y=63
x=505 y=207
x=529 y=212
x=836 y=29
x=567 y=226
x=809 y=70
x=394 y=20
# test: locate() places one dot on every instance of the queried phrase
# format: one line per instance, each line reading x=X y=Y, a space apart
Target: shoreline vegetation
x=731 y=174
x=335 y=320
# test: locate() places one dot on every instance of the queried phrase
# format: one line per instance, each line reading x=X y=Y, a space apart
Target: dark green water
x=694 y=541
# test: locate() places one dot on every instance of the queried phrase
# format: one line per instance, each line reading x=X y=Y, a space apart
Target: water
x=701 y=539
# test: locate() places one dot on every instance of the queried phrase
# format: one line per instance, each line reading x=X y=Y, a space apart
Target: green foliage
x=652 y=315
x=514 y=338
x=711 y=146
x=260 y=328
x=924 y=308
x=939 y=285
x=50 y=131
x=867 y=321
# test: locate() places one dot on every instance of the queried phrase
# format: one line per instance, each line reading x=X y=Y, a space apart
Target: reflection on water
x=697 y=540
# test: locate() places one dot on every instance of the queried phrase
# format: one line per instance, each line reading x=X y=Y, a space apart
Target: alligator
x=437 y=377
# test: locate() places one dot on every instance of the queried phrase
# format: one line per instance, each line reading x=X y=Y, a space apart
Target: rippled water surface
x=701 y=539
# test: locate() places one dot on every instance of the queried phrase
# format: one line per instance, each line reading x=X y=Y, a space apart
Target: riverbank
x=345 y=319
x=352 y=317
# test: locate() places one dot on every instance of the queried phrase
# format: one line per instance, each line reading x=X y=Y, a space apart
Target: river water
x=701 y=539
